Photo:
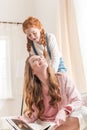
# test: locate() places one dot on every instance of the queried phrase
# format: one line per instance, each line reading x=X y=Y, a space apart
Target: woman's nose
x=32 y=36
x=39 y=59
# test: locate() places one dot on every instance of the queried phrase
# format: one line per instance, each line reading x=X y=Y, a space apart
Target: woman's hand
x=28 y=119
x=61 y=117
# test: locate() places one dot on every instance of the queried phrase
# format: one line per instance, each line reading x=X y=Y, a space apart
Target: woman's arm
x=71 y=99
x=34 y=116
x=71 y=123
x=74 y=100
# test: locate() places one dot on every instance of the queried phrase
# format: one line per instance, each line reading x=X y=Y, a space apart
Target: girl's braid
x=29 y=45
x=43 y=41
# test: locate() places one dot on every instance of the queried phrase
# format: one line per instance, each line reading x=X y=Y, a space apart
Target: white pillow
x=84 y=98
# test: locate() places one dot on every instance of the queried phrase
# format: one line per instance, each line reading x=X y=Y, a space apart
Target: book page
x=19 y=124
x=37 y=125
x=44 y=124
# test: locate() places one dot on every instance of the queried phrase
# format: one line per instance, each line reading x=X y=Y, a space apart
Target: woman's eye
x=34 y=61
x=29 y=35
x=34 y=33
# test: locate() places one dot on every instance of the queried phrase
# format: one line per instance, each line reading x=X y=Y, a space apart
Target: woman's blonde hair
x=34 y=22
x=33 y=90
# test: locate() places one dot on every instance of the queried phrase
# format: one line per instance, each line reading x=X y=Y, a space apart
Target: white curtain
x=68 y=39
x=13 y=36
x=81 y=15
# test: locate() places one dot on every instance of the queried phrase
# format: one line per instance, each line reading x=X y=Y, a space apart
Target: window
x=5 y=74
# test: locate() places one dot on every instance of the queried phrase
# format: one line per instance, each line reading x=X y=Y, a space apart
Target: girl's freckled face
x=33 y=34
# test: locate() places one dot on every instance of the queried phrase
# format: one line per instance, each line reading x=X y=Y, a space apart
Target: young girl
x=41 y=43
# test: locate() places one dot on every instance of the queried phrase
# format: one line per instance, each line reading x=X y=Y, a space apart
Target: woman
x=50 y=96
x=41 y=43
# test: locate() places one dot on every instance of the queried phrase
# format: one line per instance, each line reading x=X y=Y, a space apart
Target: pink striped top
x=71 y=99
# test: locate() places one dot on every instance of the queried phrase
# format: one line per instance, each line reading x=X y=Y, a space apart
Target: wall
x=17 y=11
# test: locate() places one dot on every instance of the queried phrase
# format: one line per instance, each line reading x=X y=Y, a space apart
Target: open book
x=17 y=124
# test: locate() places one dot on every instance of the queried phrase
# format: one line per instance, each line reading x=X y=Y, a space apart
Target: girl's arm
x=55 y=54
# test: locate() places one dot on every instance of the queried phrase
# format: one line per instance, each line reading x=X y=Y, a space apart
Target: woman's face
x=38 y=64
x=33 y=34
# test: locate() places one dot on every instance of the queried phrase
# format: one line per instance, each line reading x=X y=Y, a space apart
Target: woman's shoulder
x=62 y=77
x=60 y=74
x=62 y=80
